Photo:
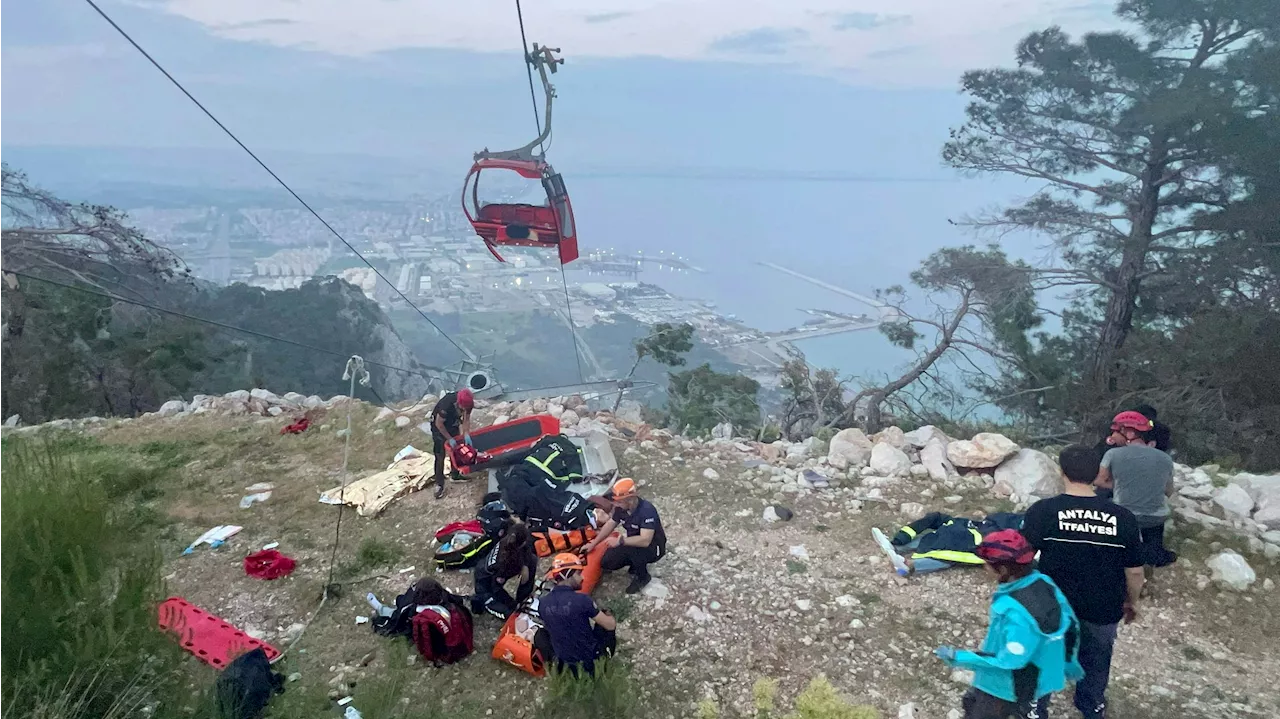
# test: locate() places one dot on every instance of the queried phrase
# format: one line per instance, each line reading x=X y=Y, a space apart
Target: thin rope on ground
x=271 y=172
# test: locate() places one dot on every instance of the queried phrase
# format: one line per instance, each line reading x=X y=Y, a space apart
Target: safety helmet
x=1131 y=420
x=1006 y=546
x=564 y=563
x=466 y=398
x=623 y=488
x=494 y=517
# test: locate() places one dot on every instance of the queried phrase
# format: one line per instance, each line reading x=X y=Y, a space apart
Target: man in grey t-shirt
x=1142 y=478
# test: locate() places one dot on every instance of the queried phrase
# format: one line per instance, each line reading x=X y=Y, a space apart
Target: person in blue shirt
x=1032 y=643
x=580 y=632
x=642 y=542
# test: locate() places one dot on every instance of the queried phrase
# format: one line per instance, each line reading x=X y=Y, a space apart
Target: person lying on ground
x=512 y=557
x=1090 y=547
x=1141 y=478
x=1030 y=648
x=939 y=541
x=580 y=632
x=450 y=419
x=642 y=541
x=397 y=620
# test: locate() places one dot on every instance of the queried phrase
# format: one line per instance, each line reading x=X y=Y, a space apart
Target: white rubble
x=172 y=408
x=918 y=438
x=934 y=458
x=1231 y=571
x=1030 y=473
x=891 y=435
x=1234 y=501
x=889 y=461
x=849 y=448
x=984 y=451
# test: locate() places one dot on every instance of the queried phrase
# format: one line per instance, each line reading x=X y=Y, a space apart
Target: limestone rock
x=724 y=430
x=918 y=438
x=383 y=415
x=630 y=410
x=1265 y=491
x=1234 y=500
x=891 y=435
x=569 y=418
x=1231 y=571
x=849 y=448
x=265 y=395
x=710 y=473
x=1030 y=473
x=911 y=510
x=933 y=456
x=889 y=461
x=402 y=422
x=984 y=451
x=171 y=408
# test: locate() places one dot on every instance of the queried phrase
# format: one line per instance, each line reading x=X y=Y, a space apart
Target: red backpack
x=443 y=635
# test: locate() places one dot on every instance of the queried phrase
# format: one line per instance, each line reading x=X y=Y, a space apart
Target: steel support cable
x=533 y=98
x=271 y=172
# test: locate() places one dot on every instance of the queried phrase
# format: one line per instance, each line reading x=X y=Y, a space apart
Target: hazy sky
x=783 y=83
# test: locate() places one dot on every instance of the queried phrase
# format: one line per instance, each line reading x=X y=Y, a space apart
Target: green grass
x=373 y=553
x=796 y=567
x=81 y=578
x=584 y=697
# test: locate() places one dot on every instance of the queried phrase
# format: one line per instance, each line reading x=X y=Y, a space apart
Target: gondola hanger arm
x=543 y=58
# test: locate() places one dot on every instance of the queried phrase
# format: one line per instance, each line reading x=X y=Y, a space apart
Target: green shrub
x=819 y=700
x=79 y=587
x=707 y=709
x=585 y=697
x=764 y=696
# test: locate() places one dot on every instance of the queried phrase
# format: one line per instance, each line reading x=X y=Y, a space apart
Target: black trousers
x=978 y=704
x=438 y=445
x=1154 y=553
x=637 y=559
x=606 y=645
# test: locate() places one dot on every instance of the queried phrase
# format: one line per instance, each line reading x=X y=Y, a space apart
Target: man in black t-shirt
x=450 y=418
x=643 y=541
x=1090 y=547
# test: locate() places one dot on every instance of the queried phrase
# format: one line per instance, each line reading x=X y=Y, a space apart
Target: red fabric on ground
x=298 y=427
x=268 y=564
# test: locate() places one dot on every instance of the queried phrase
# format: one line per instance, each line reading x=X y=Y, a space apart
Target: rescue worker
x=939 y=541
x=1032 y=641
x=450 y=419
x=1141 y=479
x=580 y=632
x=512 y=557
x=642 y=542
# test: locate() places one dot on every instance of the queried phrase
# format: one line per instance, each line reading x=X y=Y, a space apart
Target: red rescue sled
x=507 y=442
x=515 y=224
x=212 y=640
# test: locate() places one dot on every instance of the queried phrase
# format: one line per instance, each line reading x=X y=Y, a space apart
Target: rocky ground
x=741 y=595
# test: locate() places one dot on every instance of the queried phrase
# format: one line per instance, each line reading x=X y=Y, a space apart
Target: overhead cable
x=271 y=172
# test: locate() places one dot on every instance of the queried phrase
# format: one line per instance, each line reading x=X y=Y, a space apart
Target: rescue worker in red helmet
x=450 y=420
x=1032 y=641
x=1141 y=479
x=580 y=632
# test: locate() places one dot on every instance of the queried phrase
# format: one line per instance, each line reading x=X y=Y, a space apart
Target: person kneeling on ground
x=568 y=617
x=512 y=557
x=644 y=543
x=1032 y=641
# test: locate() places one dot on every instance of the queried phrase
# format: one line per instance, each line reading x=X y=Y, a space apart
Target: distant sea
x=856 y=235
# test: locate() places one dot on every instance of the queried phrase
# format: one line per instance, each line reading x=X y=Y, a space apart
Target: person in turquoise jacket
x=1032 y=643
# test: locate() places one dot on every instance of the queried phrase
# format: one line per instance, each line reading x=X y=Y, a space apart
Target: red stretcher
x=211 y=639
x=507 y=442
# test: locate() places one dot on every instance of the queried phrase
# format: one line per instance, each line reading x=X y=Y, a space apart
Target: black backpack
x=246 y=686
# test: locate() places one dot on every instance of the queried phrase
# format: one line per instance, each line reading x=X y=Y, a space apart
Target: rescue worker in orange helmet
x=580 y=631
x=642 y=541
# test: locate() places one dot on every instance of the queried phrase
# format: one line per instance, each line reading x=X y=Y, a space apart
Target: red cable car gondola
x=548 y=225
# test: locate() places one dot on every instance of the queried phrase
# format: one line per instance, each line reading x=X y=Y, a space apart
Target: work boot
x=455 y=477
x=439 y=491
x=637 y=583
